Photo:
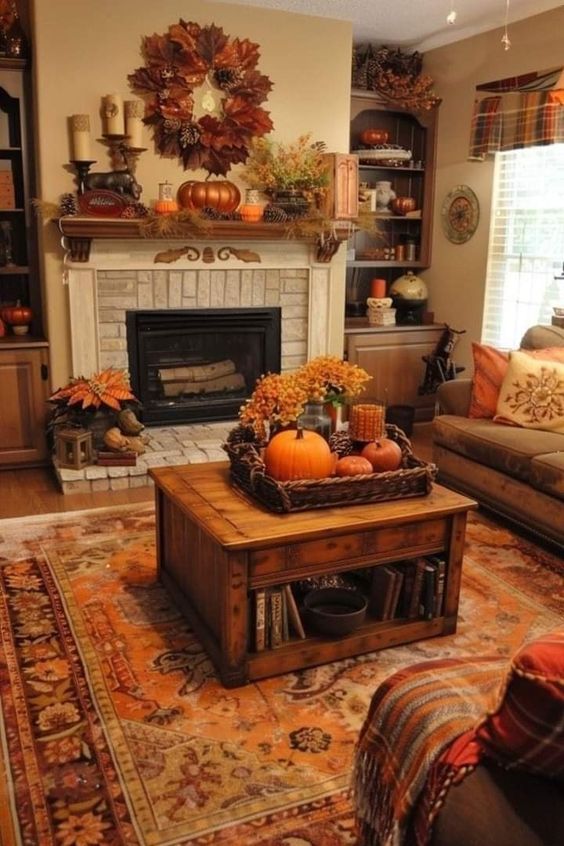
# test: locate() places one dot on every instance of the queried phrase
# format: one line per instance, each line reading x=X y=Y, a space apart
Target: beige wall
x=457 y=276
x=86 y=48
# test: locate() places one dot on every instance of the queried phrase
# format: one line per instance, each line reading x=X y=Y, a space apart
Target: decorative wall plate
x=460 y=214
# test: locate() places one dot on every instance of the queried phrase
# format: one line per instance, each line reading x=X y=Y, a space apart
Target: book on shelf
x=294 y=617
x=440 y=564
x=260 y=619
x=399 y=577
x=417 y=589
x=427 y=605
x=382 y=592
x=275 y=617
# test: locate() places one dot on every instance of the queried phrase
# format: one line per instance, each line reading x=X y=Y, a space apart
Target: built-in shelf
x=14 y=270
x=82 y=230
x=409 y=265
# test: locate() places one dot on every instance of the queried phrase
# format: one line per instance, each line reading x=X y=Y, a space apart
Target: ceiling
x=419 y=24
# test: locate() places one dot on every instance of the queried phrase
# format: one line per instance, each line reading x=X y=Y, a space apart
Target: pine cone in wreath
x=189 y=134
x=274 y=214
x=228 y=78
x=68 y=204
x=134 y=211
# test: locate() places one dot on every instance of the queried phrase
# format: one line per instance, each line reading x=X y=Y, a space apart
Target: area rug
x=115 y=730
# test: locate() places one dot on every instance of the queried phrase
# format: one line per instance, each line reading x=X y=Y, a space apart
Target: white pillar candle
x=134 y=111
x=80 y=136
x=112 y=115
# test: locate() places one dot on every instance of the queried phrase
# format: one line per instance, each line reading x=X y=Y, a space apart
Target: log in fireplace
x=198 y=365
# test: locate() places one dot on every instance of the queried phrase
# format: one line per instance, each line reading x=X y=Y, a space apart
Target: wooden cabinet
x=393 y=355
x=23 y=377
x=404 y=241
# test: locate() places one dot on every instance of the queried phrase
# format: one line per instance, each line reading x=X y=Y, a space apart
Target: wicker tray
x=414 y=478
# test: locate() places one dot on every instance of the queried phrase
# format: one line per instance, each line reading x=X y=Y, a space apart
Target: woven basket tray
x=414 y=478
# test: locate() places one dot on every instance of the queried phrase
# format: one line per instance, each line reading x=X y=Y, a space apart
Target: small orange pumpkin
x=17 y=315
x=384 y=454
x=217 y=194
x=353 y=465
x=251 y=212
x=374 y=136
x=166 y=206
x=298 y=454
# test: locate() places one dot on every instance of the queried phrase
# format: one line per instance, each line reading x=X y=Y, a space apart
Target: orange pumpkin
x=353 y=465
x=384 y=454
x=166 y=206
x=298 y=454
x=215 y=194
x=17 y=315
x=251 y=212
x=373 y=136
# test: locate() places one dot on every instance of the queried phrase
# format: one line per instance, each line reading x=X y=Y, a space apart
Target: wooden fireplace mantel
x=80 y=232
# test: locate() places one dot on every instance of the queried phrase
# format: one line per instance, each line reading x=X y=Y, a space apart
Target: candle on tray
x=134 y=111
x=80 y=137
x=378 y=288
x=112 y=115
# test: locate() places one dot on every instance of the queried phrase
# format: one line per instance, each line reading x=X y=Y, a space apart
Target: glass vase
x=316 y=419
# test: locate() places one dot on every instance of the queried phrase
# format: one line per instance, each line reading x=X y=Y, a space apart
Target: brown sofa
x=518 y=473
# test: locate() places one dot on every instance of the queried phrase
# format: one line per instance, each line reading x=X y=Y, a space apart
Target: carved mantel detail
x=81 y=231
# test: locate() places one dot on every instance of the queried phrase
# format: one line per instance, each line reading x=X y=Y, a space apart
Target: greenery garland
x=179 y=62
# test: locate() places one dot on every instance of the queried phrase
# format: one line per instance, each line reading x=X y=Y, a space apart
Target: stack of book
x=276 y=617
x=116 y=459
x=411 y=589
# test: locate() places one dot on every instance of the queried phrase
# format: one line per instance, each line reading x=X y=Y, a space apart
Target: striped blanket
x=414 y=718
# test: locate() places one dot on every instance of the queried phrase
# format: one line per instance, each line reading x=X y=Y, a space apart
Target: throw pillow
x=490 y=367
x=532 y=394
x=526 y=731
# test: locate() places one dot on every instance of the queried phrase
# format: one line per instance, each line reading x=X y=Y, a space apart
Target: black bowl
x=335 y=611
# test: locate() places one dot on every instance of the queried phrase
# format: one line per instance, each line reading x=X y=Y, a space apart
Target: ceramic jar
x=409 y=287
x=384 y=195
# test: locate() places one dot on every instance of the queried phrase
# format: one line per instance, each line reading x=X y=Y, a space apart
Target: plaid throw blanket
x=415 y=716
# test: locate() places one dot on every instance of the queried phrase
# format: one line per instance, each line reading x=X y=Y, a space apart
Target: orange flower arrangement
x=108 y=387
x=279 y=398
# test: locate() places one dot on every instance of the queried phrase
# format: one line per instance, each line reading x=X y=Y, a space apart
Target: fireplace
x=199 y=365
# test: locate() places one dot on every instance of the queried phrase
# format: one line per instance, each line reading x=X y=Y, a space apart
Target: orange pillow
x=490 y=367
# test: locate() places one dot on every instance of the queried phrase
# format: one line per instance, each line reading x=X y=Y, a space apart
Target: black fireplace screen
x=199 y=365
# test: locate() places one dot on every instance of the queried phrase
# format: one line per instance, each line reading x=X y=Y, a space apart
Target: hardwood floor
x=35 y=491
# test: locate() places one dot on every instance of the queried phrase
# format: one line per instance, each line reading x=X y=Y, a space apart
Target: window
x=525 y=275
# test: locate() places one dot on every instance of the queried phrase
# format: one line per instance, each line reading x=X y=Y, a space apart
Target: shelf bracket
x=79 y=249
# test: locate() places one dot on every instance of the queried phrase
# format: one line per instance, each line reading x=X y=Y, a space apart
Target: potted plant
x=293 y=174
x=97 y=403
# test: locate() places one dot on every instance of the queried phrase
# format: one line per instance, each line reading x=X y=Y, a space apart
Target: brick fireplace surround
x=122 y=276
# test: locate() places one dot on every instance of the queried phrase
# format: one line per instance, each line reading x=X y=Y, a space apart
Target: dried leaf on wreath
x=255 y=119
x=158 y=49
x=145 y=80
x=219 y=162
x=254 y=86
x=211 y=41
x=247 y=53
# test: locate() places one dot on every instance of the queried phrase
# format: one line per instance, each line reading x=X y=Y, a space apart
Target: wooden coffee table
x=215 y=547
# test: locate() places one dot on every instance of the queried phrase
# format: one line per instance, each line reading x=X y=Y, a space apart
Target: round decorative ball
x=409 y=287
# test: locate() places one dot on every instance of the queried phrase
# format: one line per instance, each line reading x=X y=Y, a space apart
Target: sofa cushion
x=508 y=449
x=547 y=473
x=526 y=731
x=539 y=336
x=532 y=394
x=490 y=365
x=490 y=369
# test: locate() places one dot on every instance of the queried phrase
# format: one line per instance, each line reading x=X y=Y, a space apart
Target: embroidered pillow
x=532 y=394
x=490 y=366
x=526 y=731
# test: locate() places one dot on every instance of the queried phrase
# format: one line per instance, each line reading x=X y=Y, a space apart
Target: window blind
x=525 y=271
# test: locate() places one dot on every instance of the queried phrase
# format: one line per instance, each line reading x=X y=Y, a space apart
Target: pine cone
x=241 y=435
x=134 y=211
x=274 y=214
x=210 y=213
x=189 y=134
x=228 y=78
x=341 y=444
x=68 y=204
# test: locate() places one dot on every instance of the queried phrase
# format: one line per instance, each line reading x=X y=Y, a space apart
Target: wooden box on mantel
x=341 y=200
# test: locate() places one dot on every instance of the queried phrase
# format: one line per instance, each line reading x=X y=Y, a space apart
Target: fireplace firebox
x=199 y=365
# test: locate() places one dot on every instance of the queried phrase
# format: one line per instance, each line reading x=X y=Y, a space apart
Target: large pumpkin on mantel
x=298 y=454
x=217 y=194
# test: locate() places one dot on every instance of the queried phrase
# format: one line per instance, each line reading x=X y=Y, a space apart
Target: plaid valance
x=525 y=111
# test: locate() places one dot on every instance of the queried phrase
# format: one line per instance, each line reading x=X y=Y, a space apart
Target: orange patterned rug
x=114 y=729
